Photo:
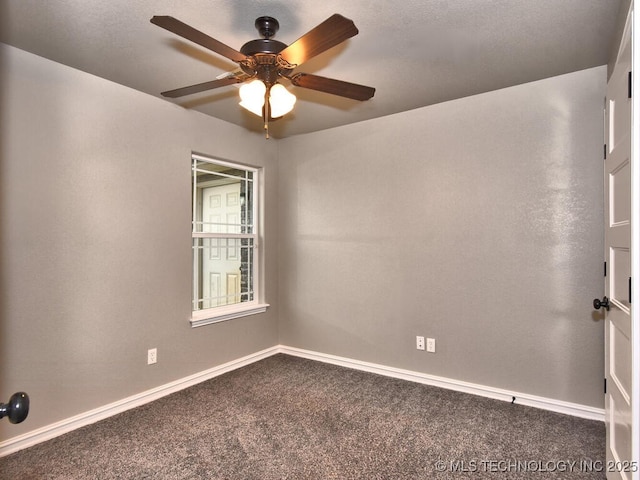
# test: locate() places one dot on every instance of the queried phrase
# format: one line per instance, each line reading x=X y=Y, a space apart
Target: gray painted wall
x=477 y=222
x=95 y=241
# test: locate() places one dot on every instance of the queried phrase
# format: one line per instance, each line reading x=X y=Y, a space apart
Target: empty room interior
x=447 y=231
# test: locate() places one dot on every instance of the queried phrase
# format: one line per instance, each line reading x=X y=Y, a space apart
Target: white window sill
x=221 y=314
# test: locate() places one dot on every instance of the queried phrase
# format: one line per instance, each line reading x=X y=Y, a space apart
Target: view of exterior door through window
x=221 y=268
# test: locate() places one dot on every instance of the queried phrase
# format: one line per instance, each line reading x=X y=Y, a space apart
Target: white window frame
x=242 y=309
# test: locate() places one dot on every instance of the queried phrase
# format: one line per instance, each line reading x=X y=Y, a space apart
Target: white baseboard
x=54 y=430
x=549 y=404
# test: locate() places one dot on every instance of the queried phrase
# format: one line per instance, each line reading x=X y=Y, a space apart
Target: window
x=226 y=253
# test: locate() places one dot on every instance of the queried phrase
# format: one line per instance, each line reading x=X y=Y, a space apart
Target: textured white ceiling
x=414 y=52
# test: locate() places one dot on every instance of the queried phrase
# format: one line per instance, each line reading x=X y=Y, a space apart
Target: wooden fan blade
x=196 y=36
x=335 y=87
x=201 y=87
x=334 y=30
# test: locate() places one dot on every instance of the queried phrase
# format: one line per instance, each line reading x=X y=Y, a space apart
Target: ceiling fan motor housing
x=263 y=52
x=262 y=45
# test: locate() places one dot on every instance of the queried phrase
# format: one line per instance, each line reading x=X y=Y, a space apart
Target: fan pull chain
x=266 y=111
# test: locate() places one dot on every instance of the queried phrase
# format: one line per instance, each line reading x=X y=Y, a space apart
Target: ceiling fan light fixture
x=252 y=96
x=281 y=101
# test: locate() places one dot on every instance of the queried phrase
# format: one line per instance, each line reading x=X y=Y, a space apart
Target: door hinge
x=605 y=385
x=630 y=87
x=605 y=269
x=605 y=151
x=629 y=289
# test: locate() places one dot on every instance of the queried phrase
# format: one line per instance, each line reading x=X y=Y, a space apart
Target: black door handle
x=601 y=303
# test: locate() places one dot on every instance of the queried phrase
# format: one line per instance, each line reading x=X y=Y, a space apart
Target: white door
x=619 y=345
x=221 y=212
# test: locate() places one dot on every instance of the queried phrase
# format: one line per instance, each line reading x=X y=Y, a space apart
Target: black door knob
x=597 y=303
x=17 y=409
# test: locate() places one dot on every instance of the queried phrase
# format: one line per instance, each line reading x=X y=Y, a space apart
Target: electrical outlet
x=420 y=343
x=431 y=345
x=152 y=356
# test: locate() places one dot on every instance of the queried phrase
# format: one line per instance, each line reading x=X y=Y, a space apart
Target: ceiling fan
x=264 y=61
